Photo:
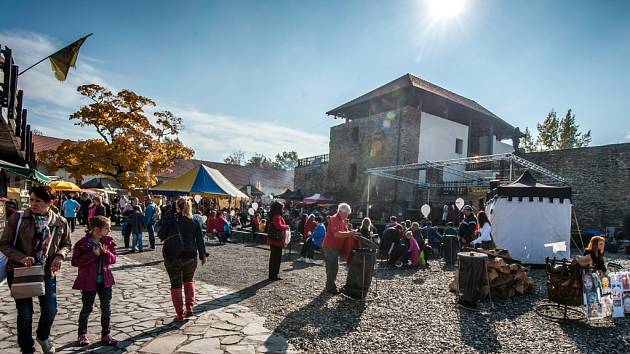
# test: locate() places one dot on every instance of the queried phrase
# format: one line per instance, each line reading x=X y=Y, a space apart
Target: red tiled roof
x=270 y=180
x=44 y=143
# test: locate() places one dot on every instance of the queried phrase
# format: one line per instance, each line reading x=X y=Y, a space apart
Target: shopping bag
x=28 y=282
x=287 y=237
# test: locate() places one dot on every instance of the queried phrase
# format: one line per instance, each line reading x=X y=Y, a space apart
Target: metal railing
x=313 y=160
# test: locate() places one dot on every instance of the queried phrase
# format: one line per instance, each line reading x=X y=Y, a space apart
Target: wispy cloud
x=211 y=135
x=627 y=136
x=214 y=136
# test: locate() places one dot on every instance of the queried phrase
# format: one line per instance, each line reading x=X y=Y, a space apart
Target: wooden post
x=24 y=139
x=18 y=110
x=11 y=92
x=22 y=135
x=6 y=68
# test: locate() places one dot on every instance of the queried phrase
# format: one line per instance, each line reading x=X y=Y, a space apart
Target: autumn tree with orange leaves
x=132 y=149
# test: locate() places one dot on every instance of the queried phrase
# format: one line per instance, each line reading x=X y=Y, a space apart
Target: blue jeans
x=151 y=231
x=137 y=241
x=48 y=309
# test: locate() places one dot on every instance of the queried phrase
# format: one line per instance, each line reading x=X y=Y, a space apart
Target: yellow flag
x=65 y=58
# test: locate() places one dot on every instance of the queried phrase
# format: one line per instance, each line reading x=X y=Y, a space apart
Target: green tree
x=548 y=132
x=569 y=135
x=236 y=157
x=259 y=160
x=528 y=143
x=286 y=160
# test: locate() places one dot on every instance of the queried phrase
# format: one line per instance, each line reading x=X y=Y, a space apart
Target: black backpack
x=176 y=244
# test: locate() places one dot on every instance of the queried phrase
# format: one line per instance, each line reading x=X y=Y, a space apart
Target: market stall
x=65 y=186
x=531 y=220
x=101 y=183
x=204 y=181
x=317 y=199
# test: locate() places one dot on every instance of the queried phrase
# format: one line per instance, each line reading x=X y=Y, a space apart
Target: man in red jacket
x=335 y=243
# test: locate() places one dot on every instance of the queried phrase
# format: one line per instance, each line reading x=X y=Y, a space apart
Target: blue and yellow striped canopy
x=200 y=180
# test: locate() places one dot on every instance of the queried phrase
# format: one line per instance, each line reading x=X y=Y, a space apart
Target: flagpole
x=30 y=67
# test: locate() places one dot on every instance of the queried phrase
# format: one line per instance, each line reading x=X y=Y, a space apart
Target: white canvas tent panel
x=524 y=227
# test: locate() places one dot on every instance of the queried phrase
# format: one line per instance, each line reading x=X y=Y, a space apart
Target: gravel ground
x=413 y=311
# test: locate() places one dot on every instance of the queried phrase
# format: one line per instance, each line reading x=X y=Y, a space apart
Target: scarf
x=42 y=236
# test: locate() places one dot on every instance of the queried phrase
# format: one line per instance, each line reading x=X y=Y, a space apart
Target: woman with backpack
x=182 y=244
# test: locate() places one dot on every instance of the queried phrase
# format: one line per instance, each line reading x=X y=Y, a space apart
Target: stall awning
x=101 y=183
x=25 y=172
x=202 y=180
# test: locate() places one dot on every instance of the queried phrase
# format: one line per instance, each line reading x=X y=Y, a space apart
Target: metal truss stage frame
x=470 y=178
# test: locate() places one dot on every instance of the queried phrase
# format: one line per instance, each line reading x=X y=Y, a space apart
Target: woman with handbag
x=276 y=228
x=182 y=244
x=35 y=242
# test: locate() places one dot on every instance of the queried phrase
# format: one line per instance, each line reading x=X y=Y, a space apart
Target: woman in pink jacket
x=93 y=255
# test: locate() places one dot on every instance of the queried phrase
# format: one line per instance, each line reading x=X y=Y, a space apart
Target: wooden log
x=492 y=274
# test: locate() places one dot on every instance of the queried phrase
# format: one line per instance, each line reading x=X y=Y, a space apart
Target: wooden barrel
x=472 y=277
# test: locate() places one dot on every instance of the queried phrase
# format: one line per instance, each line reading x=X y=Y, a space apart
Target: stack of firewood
x=564 y=283
x=506 y=278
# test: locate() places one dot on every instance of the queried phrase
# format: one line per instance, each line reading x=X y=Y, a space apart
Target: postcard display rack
x=599 y=295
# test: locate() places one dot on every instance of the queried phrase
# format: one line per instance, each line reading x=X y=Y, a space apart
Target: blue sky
x=258 y=76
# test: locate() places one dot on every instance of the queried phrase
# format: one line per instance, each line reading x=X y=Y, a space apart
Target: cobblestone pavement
x=142 y=318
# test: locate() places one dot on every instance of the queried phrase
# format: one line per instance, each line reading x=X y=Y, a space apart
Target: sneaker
x=84 y=340
x=47 y=346
x=310 y=261
x=301 y=259
x=108 y=340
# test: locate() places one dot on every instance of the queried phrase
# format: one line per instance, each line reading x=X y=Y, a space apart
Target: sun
x=446 y=9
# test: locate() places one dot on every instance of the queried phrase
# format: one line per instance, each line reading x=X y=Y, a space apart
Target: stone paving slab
x=142 y=318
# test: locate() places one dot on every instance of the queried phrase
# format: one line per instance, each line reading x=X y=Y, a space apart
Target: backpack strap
x=17 y=229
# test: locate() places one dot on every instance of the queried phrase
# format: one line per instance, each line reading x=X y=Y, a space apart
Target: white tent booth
x=531 y=220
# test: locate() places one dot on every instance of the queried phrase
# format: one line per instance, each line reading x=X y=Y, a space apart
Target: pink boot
x=178 y=303
x=189 y=293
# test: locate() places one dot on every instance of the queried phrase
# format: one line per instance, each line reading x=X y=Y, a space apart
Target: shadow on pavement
x=232 y=298
x=138 y=265
x=314 y=319
x=72 y=347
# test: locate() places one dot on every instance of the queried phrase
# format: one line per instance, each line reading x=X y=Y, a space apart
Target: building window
x=459 y=146
x=353 y=172
x=355 y=135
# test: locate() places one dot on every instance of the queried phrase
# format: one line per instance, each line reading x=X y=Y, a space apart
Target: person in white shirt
x=484 y=233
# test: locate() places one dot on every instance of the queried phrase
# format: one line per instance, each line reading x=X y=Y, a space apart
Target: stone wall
x=373 y=142
x=312 y=179
x=599 y=177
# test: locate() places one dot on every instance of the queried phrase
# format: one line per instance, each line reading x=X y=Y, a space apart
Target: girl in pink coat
x=414 y=249
x=93 y=255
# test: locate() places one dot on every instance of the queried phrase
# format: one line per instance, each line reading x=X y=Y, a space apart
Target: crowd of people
x=39 y=236
x=38 y=239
